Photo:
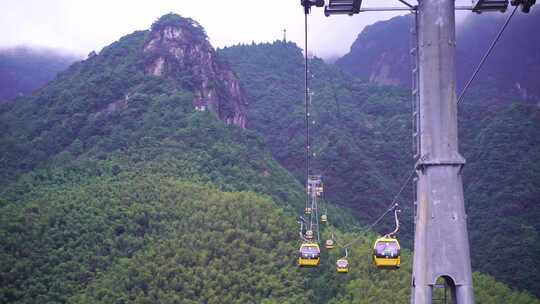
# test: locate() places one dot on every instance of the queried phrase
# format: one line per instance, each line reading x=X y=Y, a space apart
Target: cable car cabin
x=342 y=266
x=308 y=210
x=309 y=234
x=329 y=244
x=386 y=253
x=324 y=218
x=309 y=255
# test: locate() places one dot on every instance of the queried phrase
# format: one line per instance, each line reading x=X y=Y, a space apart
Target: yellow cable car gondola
x=386 y=253
x=329 y=244
x=342 y=265
x=309 y=255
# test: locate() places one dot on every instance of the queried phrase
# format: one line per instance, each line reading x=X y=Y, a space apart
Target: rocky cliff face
x=380 y=54
x=178 y=48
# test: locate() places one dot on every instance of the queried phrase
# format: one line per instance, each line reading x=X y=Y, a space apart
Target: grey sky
x=81 y=26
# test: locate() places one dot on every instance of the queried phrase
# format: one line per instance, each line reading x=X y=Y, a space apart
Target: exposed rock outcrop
x=178 y=48
x=381 y=54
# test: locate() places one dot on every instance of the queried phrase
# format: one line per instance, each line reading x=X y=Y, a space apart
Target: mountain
x=190 y=58
x=24 y=70
x=361 y=135
x=73 y=114
x=510 y=71
x=384 y=61
x=110 y=162
x=126 y=180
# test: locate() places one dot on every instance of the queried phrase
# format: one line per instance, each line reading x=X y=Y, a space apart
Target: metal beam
x=393 y=9
x=385 y=9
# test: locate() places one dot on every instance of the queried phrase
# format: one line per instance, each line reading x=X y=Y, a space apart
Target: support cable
x=394 y=203
x=486 y=55
x=394 y=206
x=407 y=4
x=306 y=105
x=301 y=221
x=396 y=218
x=311 y=200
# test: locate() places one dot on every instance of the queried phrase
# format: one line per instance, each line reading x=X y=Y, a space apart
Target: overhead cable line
x=486 y=55
x=407 y=4
x=306 y=97
x=394 y=206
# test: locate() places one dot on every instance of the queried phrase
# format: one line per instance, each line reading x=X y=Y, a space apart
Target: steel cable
x=486 y=55
x=393 y=206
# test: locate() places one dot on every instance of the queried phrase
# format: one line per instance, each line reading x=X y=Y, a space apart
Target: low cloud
x=83 y=26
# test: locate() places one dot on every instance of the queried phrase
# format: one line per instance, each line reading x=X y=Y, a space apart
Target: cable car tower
x=441 y=242
x=314 y=189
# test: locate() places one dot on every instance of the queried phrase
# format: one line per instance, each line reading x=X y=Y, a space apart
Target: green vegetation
x=114 y=190
x=171 y=138
x=362 y=140
x=135 y=238
x=143 y=237
x=360 y=135
x=502 y=186
x=189 y=25
x=71 y=110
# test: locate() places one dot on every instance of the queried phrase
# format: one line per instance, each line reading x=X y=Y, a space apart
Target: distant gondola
x=342 y=265
x=329 y=244
x=324 y=218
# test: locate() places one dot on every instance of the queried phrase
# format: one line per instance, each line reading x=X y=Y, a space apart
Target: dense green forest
x=114 y=189
x=145 y=237
x=362 y=140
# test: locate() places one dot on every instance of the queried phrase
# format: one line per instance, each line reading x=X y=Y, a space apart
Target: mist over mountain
x=24 y=69
x=380 y=54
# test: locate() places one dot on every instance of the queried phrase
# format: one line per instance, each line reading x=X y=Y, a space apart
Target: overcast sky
x=81 y=26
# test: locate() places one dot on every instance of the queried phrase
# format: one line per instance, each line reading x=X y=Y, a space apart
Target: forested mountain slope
x=145 y=237
x=362 y=140
x=87 y=164
x=119 y=187
x=108 y=94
